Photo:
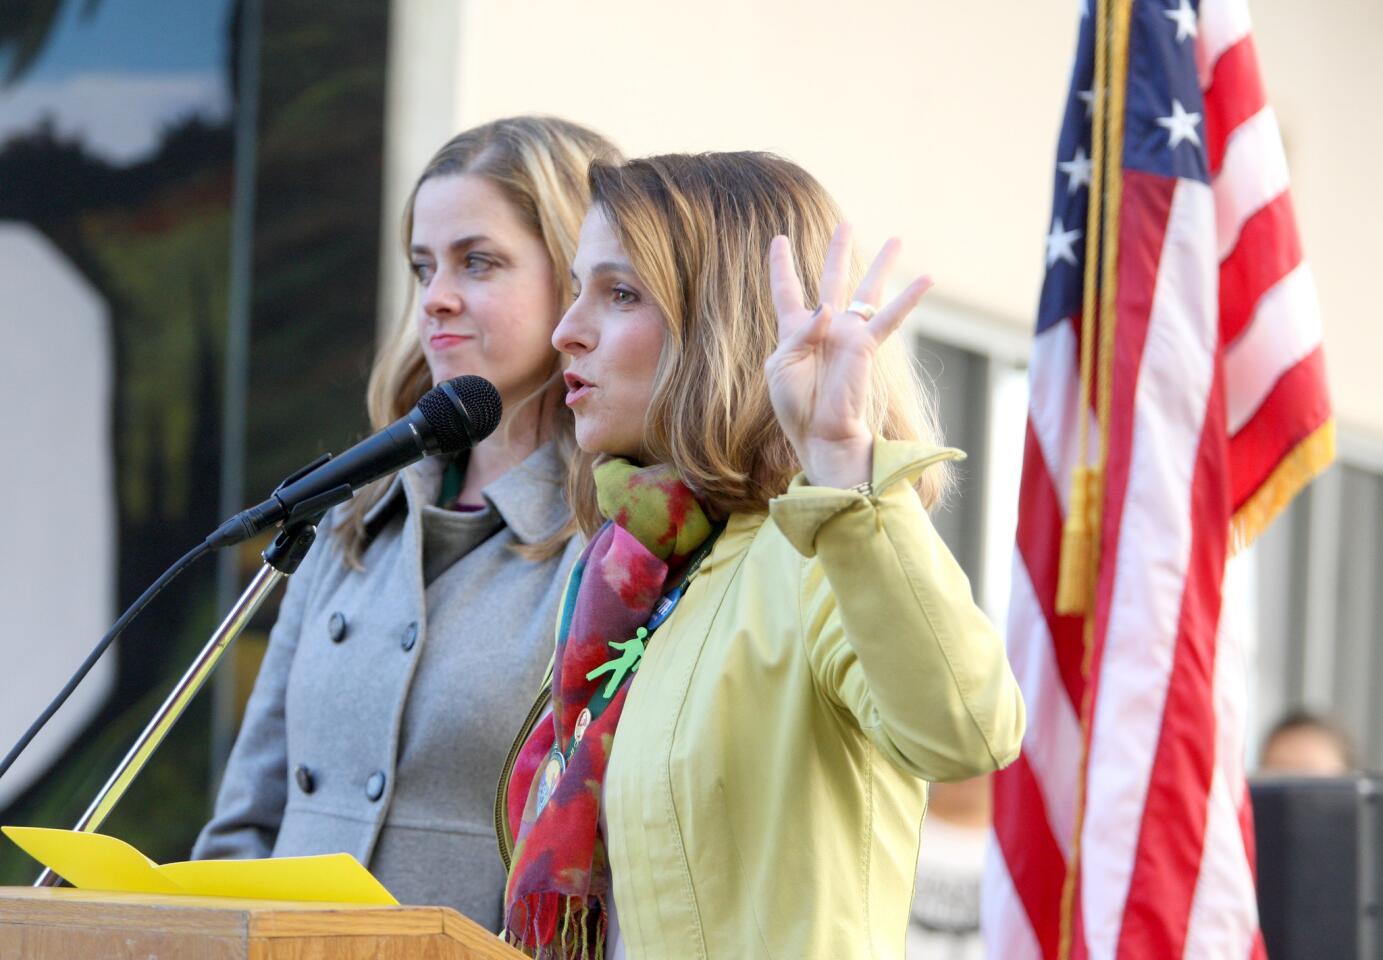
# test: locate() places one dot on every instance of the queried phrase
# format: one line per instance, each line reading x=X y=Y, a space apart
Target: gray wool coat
x=388 y=698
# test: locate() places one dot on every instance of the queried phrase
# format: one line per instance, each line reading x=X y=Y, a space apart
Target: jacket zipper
x=502 y=837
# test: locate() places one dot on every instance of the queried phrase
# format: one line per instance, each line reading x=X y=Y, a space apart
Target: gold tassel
x=1074 y=587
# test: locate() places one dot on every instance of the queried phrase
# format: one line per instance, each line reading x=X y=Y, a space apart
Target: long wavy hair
x=540 y=165
x=697 y=229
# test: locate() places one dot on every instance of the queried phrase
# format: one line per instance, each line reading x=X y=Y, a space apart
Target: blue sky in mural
x=136 y=36
x=117 y=78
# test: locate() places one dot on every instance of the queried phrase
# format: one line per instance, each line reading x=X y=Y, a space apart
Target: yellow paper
x=92 y=861
x=332 y=878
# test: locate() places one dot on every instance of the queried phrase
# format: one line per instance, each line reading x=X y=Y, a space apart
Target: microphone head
x=461 y=412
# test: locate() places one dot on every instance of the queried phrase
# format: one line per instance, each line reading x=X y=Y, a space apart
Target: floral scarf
x=559 y=883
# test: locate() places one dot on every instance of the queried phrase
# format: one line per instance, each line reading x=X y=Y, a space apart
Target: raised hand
x=819 y=377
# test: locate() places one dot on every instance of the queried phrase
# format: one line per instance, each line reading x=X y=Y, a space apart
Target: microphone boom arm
x=452 y=416
x=281 y=559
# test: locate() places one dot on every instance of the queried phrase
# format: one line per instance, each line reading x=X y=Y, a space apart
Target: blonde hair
x=540 y=165
x=697 y=229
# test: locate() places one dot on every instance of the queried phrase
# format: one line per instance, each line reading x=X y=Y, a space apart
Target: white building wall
x=936 y=122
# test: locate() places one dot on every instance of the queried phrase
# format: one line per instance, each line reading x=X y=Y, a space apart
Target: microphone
x=451 y=417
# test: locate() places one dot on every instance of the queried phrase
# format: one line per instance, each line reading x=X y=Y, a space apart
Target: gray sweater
x=388 y=698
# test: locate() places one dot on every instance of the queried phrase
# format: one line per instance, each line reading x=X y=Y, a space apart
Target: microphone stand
x=281 y=559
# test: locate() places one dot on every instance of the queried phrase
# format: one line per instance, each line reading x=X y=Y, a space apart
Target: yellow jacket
x=765 y=789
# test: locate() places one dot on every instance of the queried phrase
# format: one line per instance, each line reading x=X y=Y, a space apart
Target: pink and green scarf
x=559 y=882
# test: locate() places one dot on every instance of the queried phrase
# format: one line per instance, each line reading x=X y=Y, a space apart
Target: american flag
x=1124 y=829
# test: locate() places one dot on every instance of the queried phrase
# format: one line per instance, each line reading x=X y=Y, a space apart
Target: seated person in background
x=1307 y=744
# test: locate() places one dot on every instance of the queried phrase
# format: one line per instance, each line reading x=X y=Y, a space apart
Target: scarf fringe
x=533 y=929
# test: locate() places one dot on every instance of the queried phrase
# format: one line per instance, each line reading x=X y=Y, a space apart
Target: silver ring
x=864 y=310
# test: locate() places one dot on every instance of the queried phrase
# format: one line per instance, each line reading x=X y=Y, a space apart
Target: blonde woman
x=766 y=648
x=400 y=660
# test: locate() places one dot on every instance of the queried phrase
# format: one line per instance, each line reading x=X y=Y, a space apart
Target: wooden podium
x=49 y=923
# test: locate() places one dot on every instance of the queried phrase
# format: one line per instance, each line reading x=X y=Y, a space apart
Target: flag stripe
x=1079 y=949
x=1224 y=919
x=1235 y=94
x=1286 y=328
x=1147 y=202
x=1174 y=820
x=1053 y=388
x=1268 y=250
x=1032 y=855
x=1015 y=940
x=1036 y=862
x=1161 y=379
x=1246 y=833
x=1054 y=751
x=1253 y=175
x=1039 y=543
x=1295 y=408
x=1222 y=24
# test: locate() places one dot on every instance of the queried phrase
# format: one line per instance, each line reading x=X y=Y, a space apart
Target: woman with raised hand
x=410 y=639
x=765 y=651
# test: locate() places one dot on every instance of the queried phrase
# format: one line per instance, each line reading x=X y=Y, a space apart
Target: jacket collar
x=529 y=497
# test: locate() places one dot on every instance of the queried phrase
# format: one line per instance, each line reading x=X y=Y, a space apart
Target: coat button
x=336 y=627
x=374 y=787
x=304 y=777
x=410 y=636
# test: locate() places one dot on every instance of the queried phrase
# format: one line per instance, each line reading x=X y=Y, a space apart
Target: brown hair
x=697 y=229
x=539 y=164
